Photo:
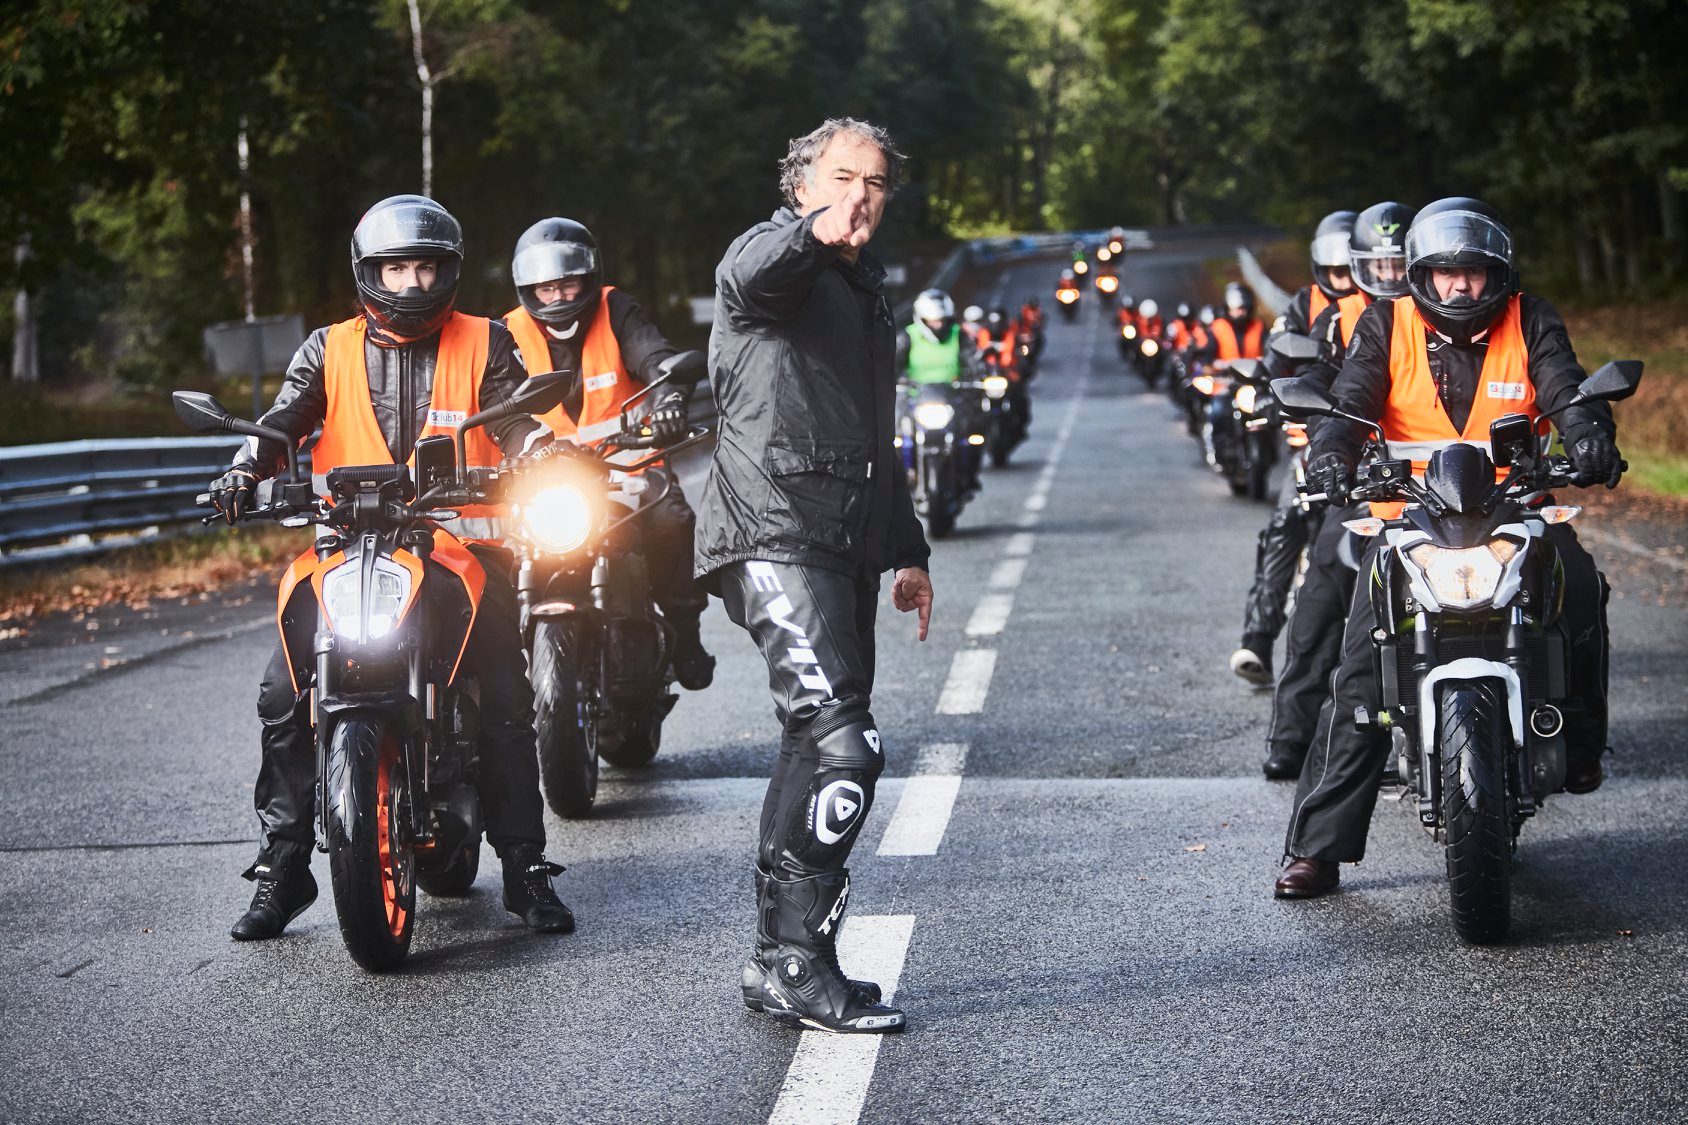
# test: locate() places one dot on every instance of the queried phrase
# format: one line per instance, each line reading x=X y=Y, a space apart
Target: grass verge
x=135 y=576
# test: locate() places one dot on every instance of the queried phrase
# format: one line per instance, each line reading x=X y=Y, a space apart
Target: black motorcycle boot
x=694 y=668
x=1253 y=661
x=528 y=893
x=803 y=983
x=284 y=891
x=1283 y=763
x=763 y=959
x=1583 y=772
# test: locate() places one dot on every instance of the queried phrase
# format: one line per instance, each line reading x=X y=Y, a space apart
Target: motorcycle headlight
x=1067 y=296
x=1107 y=283
x=359 y=613
x=1246 y=396
x=934 y=415
x=1080 y=267
x=1203 y=384
x=1151 y=348
x=996 y=385
x=558 y=518
x=1463 y=578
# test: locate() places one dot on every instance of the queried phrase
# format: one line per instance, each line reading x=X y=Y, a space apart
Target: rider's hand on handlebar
x=1596 y=461
x=1329 y=473
x=668 y=421
x=231 y=494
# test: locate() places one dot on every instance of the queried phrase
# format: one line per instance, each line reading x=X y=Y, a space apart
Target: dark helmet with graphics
x=1460 y=233
x=403 y=228
x=556 y=249
x=1330 y=252
x=1378 y=249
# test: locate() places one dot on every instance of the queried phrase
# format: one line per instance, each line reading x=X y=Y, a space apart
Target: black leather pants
x=815 y=629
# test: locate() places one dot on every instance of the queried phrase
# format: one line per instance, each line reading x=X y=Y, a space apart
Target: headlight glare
x=558 y=518
x=934 y=415
x=1246 y=396
x=996 y=385
x=361 y=614
x=1461 y=578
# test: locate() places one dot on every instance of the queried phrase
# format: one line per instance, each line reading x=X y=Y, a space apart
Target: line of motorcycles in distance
x=375 y=615
x=945 y=430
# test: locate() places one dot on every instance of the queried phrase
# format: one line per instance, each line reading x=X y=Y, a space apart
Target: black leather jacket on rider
x=1362 y=386
x=802 y=361
x=401 y=384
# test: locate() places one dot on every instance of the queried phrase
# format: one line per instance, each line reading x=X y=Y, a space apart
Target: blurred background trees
x=659 y=125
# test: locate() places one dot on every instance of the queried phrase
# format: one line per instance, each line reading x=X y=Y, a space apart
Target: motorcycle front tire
x=564 y=728
x=1473 y=739
x=369 y=858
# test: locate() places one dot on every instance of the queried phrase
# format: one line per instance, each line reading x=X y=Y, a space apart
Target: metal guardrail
x=78 y=497
x=1275 y=299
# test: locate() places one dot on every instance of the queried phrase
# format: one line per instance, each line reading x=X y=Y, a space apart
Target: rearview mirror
x=1295 y=346
x=202 y=412
x=1509 y=436
x=1300 y=399
x=540 y=393
x=1612 y=382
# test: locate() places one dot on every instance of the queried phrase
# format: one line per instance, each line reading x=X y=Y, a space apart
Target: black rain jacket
x=801 y=360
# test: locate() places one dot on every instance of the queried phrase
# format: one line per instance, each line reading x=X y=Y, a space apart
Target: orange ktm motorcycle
x=374 y=619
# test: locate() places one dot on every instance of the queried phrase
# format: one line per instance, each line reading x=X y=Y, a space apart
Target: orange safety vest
x=605 y=383
x=352 y=436
x=1348 y=312
x=1416 y=424
x=1317 y=303
x=1227 y=337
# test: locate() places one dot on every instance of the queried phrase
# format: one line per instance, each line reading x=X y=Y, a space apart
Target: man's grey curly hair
x=798 y=167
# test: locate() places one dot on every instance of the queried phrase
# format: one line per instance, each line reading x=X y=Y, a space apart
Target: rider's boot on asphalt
x=1253 y=661
x=803 y=982
x=693 y=666
x=528 y=893
x=763 y=959
x=1283 y=763
x=1583 y=772
x=1308 y=878
x=284 y=891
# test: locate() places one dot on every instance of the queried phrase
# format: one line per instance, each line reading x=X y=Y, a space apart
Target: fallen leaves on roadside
x=1196 y=848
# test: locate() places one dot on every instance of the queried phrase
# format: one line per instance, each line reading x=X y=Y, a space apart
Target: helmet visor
x=420 y=229
x=1458 y=238
x=1382 y=273
x=549 y=261
x=1331 y=249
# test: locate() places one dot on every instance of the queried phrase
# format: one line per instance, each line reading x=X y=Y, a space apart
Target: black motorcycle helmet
x=1380 y=235
x=1239 y=300
x=1329 y=251
x=1033 y=303
x=996 y=320
x=550 y=250
x=1464 y=232
x=402 y=227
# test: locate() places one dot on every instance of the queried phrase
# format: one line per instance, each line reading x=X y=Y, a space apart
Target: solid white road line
x=1007 y=574
x=969 y=682
x=829 y=1075
x=1036 y=501
x=1020 y=543
x=990 y=616
x=923 y=811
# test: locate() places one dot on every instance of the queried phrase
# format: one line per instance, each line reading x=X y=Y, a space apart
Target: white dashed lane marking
x=829 y=1075
x=990 y=616
x=1007 y=574
x=969 y=682
x=923 y=811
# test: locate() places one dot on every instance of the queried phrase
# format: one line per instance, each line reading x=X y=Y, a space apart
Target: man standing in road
x=802 y=512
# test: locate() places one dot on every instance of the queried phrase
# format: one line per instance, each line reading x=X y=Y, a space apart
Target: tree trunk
x=1587 y=272
x=1670 y=211
x=26 y=361
x=427 y=79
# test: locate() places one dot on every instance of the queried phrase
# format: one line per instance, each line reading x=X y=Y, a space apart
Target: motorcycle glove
x=668 y=421
x=231 y=494
x=1329 y=473
x=1596 y=461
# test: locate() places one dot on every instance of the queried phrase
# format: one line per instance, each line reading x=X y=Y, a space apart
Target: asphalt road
x=1067 y=872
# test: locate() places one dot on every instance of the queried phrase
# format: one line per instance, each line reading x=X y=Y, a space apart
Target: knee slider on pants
x=846 y=738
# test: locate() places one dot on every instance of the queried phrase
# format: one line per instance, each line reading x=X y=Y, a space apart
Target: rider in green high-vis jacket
x=934 y=340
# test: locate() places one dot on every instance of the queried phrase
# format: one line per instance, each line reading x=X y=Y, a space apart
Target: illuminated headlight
x=1067 y=296
x=1463 y=578
x=1245 y=398
x=1128 y=331
x=1081 y=267
x=360 y=614
x=558 y=518
x=934 y=415
x=1151 y=347
x=1104 y=254
x=1203 y=384
x=1107 y=283
x=996 y=385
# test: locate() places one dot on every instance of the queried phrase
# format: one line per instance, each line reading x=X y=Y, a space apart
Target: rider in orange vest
x=1238 y=334
x=407 y=366
x=1434 y=368
x=1377 y=254
x=568 y=319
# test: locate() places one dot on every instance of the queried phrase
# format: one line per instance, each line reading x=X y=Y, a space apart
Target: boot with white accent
x=763 y=959
x=803 y=983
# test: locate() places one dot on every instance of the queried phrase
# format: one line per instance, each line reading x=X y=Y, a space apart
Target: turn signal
x=1559 y=513
x=1367 y=527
